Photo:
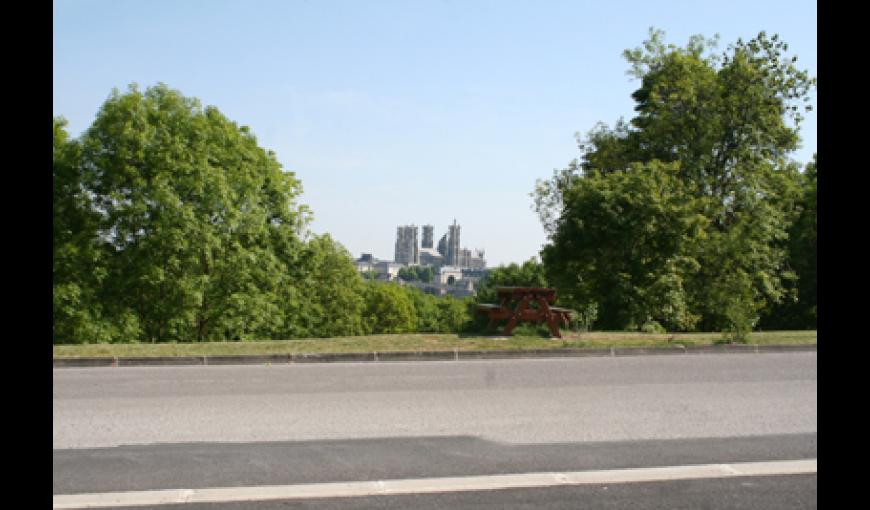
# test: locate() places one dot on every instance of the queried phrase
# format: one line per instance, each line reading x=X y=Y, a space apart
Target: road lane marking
x=431 y=485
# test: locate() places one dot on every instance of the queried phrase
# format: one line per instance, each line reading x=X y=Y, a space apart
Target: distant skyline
x=396 y=113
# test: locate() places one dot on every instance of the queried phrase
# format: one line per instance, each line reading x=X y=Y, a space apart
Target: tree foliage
x=327 y=294
x=388 y=309
x=200 y=221
x=437 y=314
x=423 y=274
x=798 y=310
x=626 y=249
x=528 y=274
x=681 y=216
x=78 y=257
x=171 y=223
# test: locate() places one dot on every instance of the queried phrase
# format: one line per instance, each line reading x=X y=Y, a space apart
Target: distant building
x=365 y=263
x=477 y=273
x=430 y=257
x=406 y=245
x=449 y=251
x=442 y=246
x=388 y=270
x=428 y=231
x=462 y=288
x=383 y=269
x=452 y=257
x=471 y=259
x=445 y=272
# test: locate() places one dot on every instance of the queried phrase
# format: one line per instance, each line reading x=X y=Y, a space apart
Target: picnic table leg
x=550 y=317
x=515 y=316
x=492 y=321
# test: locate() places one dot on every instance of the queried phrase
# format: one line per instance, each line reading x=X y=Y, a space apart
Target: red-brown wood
x=515 y=307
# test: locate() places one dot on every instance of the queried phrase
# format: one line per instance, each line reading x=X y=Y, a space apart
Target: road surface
x=196 y=428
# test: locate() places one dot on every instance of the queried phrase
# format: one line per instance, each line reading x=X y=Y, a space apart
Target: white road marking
x=431 y=485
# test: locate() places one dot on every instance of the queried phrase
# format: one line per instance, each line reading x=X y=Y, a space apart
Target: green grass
x=422 y=342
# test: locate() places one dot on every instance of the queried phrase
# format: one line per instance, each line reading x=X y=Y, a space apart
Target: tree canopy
x=171 y=223
x=681 y=216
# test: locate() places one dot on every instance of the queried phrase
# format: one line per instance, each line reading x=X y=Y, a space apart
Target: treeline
x=170 y=223
x=691 y=216
x=423 y=274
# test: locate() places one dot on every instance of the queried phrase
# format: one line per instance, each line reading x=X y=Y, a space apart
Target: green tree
x=799 y=310
x=453 y=314
x=200 y=226
x=425 y=310
x=530 y=273
x=408 y=274
x=425 y=274
x=804 y=248
x=388 y=309
x=623 y=247
x=725 y=124
x=330 y=302
x=78 y=259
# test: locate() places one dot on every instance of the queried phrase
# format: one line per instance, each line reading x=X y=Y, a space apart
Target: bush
x=652 y=327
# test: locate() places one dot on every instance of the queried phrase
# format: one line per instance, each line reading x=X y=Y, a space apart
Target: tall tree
x=626 y=248
x=799 y=310
x=727 y=124
x=78 y=259
x=199 y=223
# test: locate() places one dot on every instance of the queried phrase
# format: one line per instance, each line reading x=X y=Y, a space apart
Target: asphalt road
x=515 y=401
x=768 y=493
x=151 y=428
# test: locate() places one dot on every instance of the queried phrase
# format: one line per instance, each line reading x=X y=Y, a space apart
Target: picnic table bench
x=530 y=304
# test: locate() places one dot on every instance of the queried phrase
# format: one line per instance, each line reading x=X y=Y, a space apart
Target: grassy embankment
x=422 y=342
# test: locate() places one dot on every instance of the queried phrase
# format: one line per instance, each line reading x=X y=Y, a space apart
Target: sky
x=403 y=112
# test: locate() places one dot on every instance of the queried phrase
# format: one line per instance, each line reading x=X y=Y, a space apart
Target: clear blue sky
x=401 y=112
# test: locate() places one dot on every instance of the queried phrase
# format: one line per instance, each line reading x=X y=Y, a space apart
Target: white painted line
x=432 y=485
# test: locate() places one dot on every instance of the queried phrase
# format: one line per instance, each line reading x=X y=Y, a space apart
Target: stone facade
x=452 y=257
x=407 y=251
x=449 y=250
x=428 y=238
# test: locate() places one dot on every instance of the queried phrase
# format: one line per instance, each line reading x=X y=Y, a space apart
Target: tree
x=388 y=309
x=529 y=274
x=624 y=249
x=407 y=274
x=330 y=303
x=199 y=226
x=78 y=260
x=799 y=310
x=725 y=126
x=453 y=314
x=425 y=274
x=425 y=310
x=804 y=248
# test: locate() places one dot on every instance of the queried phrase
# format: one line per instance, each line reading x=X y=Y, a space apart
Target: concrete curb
x=161 y=360
x=454 y=355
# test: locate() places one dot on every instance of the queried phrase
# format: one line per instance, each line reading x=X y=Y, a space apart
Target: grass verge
x=421 y=342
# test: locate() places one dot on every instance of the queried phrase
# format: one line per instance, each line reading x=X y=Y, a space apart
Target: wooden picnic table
x=530 y=304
